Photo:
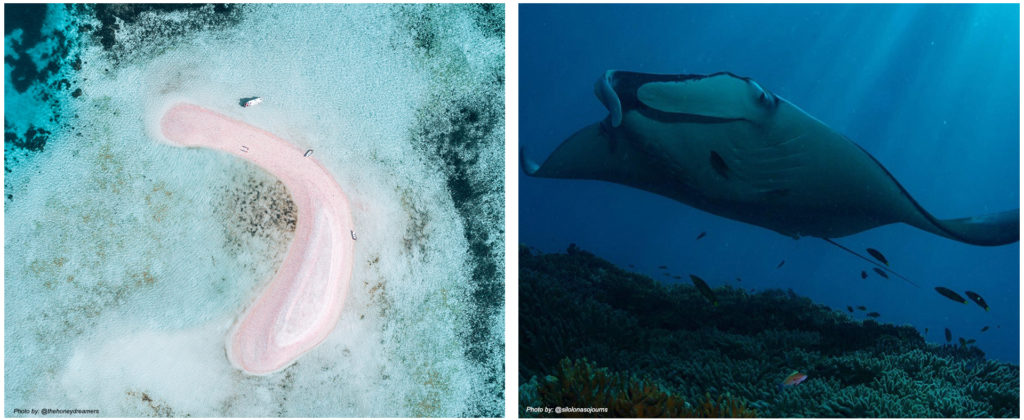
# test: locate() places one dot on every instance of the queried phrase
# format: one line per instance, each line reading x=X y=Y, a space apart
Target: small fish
x=950 y=294
x=977 y=299
x=666 y=274
x=862 y=308
x=971 y=341
x=632 y=266
x=849 y=308
x=962 y=342
x=863 y=274
x=780 y=264
x=677 y=277
x=704 y=289
x=949 y=336
x=985 y=328
x=663 y=267
x=738 y=279
x=880 y=272
x=873 y=314
x=878 y=256
x=792 y=380
x=701 y=235
x=926 y=331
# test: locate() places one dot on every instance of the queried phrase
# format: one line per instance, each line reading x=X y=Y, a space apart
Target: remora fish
x=977 y=299
x=951 y=295
x=878 y=255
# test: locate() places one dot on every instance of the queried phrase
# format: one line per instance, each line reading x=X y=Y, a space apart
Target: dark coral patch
x=490 y=17
x=33 y=139
x=114 y=17
x=260 y=210
x=24 y=16
x=28 y=18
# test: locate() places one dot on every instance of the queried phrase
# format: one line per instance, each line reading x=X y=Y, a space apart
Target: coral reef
x=580 y=307
x=461 y=128
x=580 y=384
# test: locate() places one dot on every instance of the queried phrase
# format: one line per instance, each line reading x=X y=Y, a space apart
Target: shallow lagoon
x=128 y=259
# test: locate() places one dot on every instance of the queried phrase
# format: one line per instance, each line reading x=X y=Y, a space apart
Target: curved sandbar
x=302 y=304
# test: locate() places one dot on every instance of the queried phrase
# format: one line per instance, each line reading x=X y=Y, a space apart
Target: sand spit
x=299 y=308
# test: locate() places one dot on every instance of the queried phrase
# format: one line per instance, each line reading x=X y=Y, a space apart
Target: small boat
x=308 y=152
x=253 y=102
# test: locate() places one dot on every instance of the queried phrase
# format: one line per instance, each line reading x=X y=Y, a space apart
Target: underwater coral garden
x=594 y=335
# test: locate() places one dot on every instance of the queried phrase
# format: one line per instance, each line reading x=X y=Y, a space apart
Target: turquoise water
x=127 y=260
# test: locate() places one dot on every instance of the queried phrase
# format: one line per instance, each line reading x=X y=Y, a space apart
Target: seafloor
x=594 y=335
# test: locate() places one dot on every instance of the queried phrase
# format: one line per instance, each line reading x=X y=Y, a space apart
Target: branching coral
x=579 y=306
x=724 y=406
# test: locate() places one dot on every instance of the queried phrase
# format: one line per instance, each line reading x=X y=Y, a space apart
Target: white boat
x=253 y=102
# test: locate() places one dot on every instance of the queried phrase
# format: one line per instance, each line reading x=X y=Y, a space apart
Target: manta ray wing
x=724 y=144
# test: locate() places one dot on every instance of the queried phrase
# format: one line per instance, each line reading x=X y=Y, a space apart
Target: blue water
x=930 y=91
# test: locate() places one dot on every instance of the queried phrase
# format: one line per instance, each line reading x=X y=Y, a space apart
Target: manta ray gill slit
x=718 y=164
x=870 y=261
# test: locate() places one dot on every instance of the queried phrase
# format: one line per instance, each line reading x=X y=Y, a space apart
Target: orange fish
x=793 y=379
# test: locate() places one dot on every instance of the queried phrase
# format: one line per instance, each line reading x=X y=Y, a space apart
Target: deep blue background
x=931 y=91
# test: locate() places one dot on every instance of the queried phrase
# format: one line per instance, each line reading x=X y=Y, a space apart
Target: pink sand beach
x=300 y=306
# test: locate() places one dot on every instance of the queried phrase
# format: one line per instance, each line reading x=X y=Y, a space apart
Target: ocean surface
x=931 y=91
x=127 y=259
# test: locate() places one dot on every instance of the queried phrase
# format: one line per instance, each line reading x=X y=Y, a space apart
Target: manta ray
x=726 y=145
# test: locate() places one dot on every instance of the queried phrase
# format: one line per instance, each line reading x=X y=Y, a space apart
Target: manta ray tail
x=988 y=230
x=870 y=261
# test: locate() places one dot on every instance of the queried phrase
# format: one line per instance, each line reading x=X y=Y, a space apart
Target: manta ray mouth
x=670 y=117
